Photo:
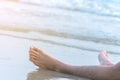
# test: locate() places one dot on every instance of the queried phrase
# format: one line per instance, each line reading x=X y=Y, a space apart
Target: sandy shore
x=15 y=64
x=19 y=29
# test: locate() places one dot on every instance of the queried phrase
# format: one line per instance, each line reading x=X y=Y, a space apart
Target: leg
x=45 y=61
x=104 y=59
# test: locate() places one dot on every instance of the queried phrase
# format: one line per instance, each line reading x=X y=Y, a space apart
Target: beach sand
x=15 y=64
x=21 y=27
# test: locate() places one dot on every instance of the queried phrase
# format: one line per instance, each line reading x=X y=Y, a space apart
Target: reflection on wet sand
x=50 y=75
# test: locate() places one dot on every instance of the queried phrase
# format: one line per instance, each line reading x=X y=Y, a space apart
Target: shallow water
x=73 y=34
x=60 y=26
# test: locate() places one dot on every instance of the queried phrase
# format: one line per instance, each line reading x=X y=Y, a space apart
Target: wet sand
x=15 y=64
x=19 y=29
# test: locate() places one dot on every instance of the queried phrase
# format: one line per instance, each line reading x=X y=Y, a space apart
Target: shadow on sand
x=50 y=75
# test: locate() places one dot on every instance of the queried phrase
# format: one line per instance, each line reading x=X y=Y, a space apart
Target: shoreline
x=14 y=59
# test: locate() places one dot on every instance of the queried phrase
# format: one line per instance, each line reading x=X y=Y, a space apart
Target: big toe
x=102 y=55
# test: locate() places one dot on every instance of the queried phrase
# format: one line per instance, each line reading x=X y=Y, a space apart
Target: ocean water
x=72 y=30
x=76 y=23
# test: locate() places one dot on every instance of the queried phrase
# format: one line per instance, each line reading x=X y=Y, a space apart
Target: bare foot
x=43 y=60
x=104 y=58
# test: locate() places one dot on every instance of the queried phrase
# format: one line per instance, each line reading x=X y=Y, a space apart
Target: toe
x=105 y=54
x=32 y=58
x=35 y=48
x=38 y=50
x=34 y=52
x=33 y=55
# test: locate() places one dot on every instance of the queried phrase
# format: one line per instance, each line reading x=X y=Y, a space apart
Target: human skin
x=106 y=71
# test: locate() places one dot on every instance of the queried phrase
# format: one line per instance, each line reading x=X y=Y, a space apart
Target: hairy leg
x=104 y=59
x=45 y=61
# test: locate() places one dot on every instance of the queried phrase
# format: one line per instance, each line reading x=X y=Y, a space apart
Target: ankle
x=65 y=68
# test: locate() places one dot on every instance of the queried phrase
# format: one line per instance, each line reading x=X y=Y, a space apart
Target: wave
x=99 y=7
x=62 y=23
x=58 y=25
